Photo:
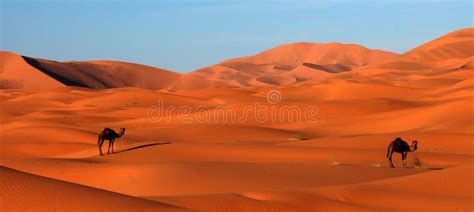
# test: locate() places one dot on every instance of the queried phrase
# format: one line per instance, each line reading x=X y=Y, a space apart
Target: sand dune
x=282 y=65
x=390 y=194
x=50 y=160
x=16 y=73
x=457 y=44
x=349 y=55
x=412 y=193
x=446 y=54
x=26 y=72
x=26 y=192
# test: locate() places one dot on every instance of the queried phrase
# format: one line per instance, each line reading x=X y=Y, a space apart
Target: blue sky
x=183 y=35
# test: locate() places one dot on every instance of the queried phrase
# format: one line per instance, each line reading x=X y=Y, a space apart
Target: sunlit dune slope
x=284 y=65
x=26 y=192
x=27 y=72
x=216 y=160
x=16 y=73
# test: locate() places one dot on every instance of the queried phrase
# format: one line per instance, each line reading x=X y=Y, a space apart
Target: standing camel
x=111 y=135
x=402 y=147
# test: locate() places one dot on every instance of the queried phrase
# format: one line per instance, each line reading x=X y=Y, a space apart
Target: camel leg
x=404 y=158
x=390 y=159
x=108 y=148
x=100 y=147
x=99 y=143
x=113 y=142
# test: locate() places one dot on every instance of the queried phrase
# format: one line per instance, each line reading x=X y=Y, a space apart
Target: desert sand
x=284 y=65
x=20 y=72
x=50 y=120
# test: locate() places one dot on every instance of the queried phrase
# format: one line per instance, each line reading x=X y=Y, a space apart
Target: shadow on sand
x=141 y=146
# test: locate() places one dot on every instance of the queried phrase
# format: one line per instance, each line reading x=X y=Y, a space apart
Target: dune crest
x=206 y=158
x=283 y=65
x=455 y=45
x=16 y=73
x=26 y=192
x=33 y=73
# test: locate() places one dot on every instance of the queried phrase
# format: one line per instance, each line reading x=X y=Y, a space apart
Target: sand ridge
x=48 y=136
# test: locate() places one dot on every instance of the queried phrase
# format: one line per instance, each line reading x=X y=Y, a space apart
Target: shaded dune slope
x=16 y=73
x=21 y=191
x=334 y=163
x=33 y=73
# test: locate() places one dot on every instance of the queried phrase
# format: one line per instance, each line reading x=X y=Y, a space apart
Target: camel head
x=413 y=146
x=122 y=131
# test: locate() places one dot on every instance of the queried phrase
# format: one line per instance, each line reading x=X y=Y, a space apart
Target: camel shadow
x=141 y=146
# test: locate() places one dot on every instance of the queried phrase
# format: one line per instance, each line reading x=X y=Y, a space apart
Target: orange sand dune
x=26 y=72
x=446 y=54
x=427 y=191
x=170 y=159
x=26 y=192
x=391 y=194
x=457 y=44
x=16 y=73
x=168 y=163
x=286 y=64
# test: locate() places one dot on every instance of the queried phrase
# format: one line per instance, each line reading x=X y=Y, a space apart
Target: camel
x=111 y=135
x=402 y=147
